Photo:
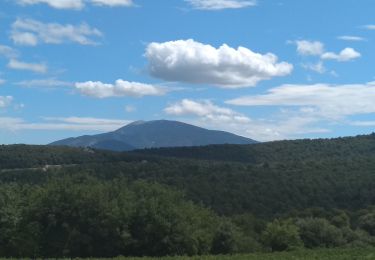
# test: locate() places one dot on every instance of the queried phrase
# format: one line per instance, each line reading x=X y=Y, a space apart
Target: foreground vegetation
x=333 y=254
x=321 y=254
x=60 y=202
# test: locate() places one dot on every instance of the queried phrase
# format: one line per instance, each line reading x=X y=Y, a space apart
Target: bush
x=319 y=232
x=281 y=236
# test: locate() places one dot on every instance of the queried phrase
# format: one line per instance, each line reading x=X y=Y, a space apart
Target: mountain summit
x=153 y=134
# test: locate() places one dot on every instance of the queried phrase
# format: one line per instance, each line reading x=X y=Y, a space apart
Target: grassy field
x=334 y=254
x=303 y=255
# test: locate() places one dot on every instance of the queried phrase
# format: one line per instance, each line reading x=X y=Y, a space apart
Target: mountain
x=154 y=134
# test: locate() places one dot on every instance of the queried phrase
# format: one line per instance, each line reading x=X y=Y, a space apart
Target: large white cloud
x=220 y=4
x=76 y=4
x=193 y=62
x=31 y=32
x=21 y=65
x=5 y=101
x=207 y=110
x=323 y=100
x=121 y=88
x=346 y=54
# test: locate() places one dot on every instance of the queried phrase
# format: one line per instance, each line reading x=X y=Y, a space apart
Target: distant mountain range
x=154 y=134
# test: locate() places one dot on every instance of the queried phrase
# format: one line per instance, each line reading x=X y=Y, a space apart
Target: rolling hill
x=153 y=134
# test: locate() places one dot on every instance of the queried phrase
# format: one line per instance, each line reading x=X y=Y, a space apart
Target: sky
x=264 y=69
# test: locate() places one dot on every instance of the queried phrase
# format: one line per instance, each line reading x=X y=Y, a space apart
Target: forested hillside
x=218 y=199
x=277 y=152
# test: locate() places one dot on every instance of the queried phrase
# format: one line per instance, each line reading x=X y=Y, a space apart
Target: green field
x=303 y=255
x=325 y=254
x=338 y=254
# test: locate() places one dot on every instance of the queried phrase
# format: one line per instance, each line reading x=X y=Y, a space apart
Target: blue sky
x=265 y=69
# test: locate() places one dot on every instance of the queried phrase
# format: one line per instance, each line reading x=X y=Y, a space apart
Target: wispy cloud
x=31 y=33
x=351 y=38
x=325 y=100
x=369 y=27
x=310 y=48
x=112 y=3
x=220 y=4
x=5 y=101
x=8 y=52
x=44 y=83
x=206 y=114
x=121 y=88
x=34 y=67
x=207 y=110
x=76 y=4
x=316 y=67
x=63 y=123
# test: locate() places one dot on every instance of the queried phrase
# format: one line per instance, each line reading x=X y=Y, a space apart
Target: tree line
x=273 y=197
x=82 y=216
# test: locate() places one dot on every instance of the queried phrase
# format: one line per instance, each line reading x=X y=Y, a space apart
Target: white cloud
x=20 y=65
x=76 y=4
x=370 y=27
x=317 y=67
x=31 y=32
x=220 y=4
x=8 y=52
x=58 y=4
x=363 y=123
x=88 y=120
x=63 y=123
x=2 y=81
x=130 y=109
x=193 y=62
x=316 y=48
x=351 y=38
x=326 y=101
x=48 y=83
x=113 y=3
x=5 y=101
x=207 y=114
x=310 y=48
x=121 y=88
x=346 y=54
x=206 y=110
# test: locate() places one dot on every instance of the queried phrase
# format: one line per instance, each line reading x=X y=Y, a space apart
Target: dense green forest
x=224 y=199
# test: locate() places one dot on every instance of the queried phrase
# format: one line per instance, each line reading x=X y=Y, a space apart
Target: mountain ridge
x=154 y=134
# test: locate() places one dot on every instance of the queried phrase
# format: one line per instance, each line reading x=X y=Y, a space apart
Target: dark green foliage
x=68 y=202
x=34 y=156
x=281 y=236
x=367 y=222
x=224 y=241
x=82 y=217
x=293 y=151
x=319 y=232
